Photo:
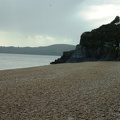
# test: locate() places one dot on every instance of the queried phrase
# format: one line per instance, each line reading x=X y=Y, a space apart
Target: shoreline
x=78 y=91
x=9 y=69
x=31 y=67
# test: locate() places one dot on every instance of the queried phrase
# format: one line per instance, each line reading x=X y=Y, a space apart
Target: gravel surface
x=80 y=91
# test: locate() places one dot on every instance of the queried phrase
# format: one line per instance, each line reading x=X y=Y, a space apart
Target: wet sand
x=80 y=91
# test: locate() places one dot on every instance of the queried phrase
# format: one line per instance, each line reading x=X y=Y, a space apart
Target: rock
x=66 y=56
x=116 y=20
x=102 y=44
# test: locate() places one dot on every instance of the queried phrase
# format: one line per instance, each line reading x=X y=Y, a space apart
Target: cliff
x=101 y=44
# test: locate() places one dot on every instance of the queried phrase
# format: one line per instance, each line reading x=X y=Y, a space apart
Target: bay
x=13 y=61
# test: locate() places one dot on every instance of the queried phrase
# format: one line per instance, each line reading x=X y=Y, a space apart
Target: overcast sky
x=46 y=22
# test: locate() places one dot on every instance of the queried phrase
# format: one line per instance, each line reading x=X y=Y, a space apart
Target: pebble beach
x=70 y=91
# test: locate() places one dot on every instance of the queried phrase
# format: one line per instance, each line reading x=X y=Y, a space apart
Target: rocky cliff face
x=102 y=44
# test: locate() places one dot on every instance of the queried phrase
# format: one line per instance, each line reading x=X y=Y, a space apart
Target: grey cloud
x=39 y=16
x=51 y=17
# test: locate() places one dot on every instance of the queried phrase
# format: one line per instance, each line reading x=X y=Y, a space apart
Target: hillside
x=100 y=44
x=56 y=49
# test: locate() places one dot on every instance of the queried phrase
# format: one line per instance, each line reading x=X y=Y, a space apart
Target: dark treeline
x=46 y=50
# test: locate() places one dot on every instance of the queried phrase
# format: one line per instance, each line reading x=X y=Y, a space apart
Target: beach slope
x=79 y=91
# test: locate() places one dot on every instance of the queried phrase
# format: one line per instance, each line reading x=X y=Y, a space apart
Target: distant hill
x=56 y=49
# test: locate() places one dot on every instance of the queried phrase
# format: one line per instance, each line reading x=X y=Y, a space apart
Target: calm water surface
x=12 y=61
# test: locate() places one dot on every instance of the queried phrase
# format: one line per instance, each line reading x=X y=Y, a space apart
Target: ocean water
x=13 y=61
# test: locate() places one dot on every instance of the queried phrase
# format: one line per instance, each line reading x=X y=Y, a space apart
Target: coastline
x=77 y=91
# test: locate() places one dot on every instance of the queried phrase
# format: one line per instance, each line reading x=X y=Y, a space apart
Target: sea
x=14 y=61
